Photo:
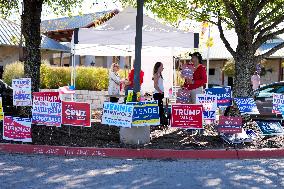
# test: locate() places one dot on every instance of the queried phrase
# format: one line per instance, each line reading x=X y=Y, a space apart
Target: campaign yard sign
x=1 y=116
x=76 y=114
x=224 y=95
x=246 y=105
x=187 y=116
x=46 y=109
x=22 y=92
x=209 y=103
x=119 y=115
x=270 y=128
x=236 y=138
x=277 y=102
x=17 y=129
x=145 y=113
x=230 y=125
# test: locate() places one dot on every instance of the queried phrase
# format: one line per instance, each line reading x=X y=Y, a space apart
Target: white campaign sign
x=209 y=103
x=22 y=95
x=117 y=114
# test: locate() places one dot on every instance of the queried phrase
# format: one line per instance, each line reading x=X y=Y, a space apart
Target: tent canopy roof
x=121 y=31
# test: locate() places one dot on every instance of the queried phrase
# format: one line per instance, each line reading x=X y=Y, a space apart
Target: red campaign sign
x=187 y=116
x=76 y=114
x=230 y=125
x=46 y=96
x=17 y=129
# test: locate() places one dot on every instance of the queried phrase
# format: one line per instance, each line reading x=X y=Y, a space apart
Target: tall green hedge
x=87 y=78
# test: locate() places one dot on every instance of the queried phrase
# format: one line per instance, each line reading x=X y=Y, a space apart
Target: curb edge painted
x=141 y=153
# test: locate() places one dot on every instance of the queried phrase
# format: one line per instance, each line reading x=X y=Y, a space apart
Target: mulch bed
x=164 y=138
x=161 y=137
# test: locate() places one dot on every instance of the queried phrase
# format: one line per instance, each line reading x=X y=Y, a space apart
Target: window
x=212 y=71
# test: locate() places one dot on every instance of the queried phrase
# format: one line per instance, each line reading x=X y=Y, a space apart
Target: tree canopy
x=254 y=21
x=57 y=6
x=260 y=18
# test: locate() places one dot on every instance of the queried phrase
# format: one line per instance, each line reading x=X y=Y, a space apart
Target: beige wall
x=217 y=77
x=10 y=54
x=267 y=79
x=274 y=76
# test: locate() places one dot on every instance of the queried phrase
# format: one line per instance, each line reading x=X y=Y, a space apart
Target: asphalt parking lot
x=36 y=171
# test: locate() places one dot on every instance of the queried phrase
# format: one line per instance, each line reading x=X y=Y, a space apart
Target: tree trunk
x=31 y=20
x=245 y=67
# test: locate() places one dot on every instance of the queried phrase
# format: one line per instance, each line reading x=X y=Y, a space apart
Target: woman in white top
x=114 y=82
x=159 y=88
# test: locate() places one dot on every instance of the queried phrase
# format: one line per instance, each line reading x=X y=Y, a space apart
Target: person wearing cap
x=199 y=79
x=255 y=80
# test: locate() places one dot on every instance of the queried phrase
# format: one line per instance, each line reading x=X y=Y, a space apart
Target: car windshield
x=275 y=88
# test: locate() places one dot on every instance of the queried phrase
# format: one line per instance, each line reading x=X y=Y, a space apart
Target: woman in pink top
x=255 y=80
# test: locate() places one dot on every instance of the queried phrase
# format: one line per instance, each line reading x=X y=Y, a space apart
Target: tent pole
x=136 y=135
x=208 y=52
x=138 y=47
x=73 y=71
x=174 y=79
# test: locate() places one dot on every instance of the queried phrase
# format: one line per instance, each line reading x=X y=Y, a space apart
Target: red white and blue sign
x=46 y=109
x=224 y=95
x=277 y=102
x=230 y=125
x=209 y=103
x=187 y=116
x=17 y=129
x=22 y=95
x=76 y=114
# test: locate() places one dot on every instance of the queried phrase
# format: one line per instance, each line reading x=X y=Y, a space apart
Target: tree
x=254 y=21
x=30 y=20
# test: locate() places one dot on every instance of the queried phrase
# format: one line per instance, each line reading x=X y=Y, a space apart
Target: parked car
x=263 y=97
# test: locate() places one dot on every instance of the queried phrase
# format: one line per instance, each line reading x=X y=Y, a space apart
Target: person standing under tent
x=159 y=88
x=255 y=80
x=114 y=82
x=129 y=83
x=199 y=79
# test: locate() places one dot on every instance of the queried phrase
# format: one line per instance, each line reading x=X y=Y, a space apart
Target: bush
x=87 y=78
x=229 y=68
x=13 y=71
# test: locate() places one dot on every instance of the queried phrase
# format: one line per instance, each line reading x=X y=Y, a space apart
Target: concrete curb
x=141 y=153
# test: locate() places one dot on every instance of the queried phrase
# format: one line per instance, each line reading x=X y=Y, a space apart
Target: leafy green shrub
x=91 y=78
x=229 y=68
x=13 y=71
x=55 y=77
x=87 y=78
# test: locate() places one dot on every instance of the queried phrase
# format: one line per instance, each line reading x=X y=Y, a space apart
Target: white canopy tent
x=116 y=37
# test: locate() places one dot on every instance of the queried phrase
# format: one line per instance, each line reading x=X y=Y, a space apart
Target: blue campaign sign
x=270 y=128
x=246 y=105
x=145 y=113
x=277 y=102
x=209 y=115
x=224 y=95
